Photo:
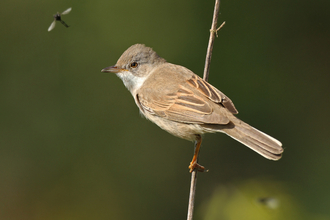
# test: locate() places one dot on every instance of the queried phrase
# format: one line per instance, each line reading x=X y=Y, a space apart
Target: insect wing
x=51 y=27
x=66 y=11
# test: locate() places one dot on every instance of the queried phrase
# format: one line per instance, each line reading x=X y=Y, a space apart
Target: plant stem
x=213 y=32
x=192 y=193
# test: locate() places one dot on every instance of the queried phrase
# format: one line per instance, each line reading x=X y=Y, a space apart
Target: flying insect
x=57 y=17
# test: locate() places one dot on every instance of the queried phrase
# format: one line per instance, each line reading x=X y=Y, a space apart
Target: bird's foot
x=194 y=165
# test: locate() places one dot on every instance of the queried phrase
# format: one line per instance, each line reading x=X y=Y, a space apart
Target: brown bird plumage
x=185 y=105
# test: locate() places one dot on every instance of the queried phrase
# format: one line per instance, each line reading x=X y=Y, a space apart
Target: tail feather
x=256 y=140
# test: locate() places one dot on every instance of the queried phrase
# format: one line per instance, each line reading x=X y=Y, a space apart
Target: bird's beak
x=112 y=69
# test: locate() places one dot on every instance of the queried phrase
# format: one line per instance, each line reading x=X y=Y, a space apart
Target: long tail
x=256 y=140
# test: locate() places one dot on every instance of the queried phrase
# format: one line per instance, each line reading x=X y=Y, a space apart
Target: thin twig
x=216 y=31
x=211 y=40
x=213 y=32
x=192 y=193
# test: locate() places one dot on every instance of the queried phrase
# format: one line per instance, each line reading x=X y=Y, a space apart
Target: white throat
x=132 y=82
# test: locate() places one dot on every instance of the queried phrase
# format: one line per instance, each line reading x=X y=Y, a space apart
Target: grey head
x=134 y=65
x=139 y=54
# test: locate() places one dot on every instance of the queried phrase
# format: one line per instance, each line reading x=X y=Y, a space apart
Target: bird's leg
x=193 y=164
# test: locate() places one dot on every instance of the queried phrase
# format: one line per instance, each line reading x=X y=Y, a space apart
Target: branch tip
x=216 y=31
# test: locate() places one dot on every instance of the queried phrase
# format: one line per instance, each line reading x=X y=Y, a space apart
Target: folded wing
x=194 y=101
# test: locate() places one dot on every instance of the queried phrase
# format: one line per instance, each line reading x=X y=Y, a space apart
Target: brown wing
x=212 y=93
x=187 y=105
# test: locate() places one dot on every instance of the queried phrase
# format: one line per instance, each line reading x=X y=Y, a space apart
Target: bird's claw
x=194 y=165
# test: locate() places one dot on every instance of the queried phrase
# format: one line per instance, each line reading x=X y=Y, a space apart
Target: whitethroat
x=183 y=104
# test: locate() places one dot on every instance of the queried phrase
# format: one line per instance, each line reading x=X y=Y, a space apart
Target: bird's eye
x=134 y=64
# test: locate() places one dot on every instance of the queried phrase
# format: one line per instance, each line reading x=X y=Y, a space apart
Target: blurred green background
x=72 y=142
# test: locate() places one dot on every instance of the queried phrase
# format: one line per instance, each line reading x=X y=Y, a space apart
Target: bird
x=57 y=17
x=185 y=105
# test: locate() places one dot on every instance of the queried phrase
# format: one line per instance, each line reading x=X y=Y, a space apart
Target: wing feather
x=212 y=93
x=191 y=100
x=183 y=107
